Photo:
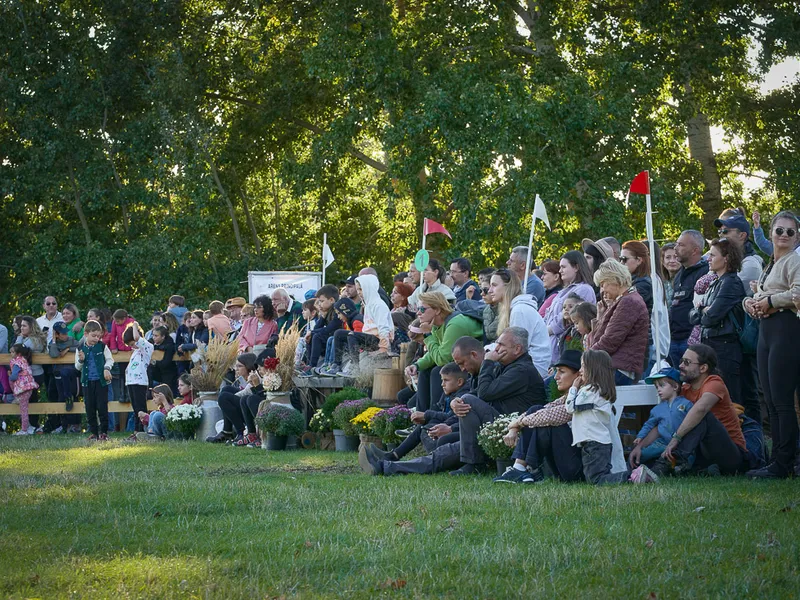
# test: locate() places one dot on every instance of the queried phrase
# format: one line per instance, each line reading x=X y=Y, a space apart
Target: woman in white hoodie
x=432 y=281
x=520 y=310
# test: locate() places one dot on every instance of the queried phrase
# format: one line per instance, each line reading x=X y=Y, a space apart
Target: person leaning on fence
x=543 y=433
x=779 y=330
x=94 y=360
x=508 y=382
x=66 y=377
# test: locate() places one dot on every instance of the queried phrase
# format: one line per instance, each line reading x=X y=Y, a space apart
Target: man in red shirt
x=711 y=429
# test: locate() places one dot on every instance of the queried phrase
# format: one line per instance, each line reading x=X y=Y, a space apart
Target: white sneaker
x=32 y=430
x=39 y=430
x=58 y=429
x=21 y=432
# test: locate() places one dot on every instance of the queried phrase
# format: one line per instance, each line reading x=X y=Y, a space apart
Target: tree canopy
x=169 y=146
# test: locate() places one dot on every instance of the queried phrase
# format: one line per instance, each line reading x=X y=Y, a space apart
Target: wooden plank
x=44 y=359
x=59 y=408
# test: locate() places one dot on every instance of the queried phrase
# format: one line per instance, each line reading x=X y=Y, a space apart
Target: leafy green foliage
x=281 y=420
x=170 y=146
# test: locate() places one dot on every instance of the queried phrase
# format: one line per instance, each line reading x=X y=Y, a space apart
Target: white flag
x=539 y=212
x=327 y=256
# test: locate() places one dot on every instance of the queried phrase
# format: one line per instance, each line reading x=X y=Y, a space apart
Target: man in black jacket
x=508 y=382
x=689 y=250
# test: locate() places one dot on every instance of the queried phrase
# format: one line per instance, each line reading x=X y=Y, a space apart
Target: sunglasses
x=687 y=362
x=723 y=231
x=421 y=309
x=54 y=303
x=789 y=232
x=625 y=259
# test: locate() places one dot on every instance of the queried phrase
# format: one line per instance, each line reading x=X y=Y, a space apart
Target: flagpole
x=423 y=234
x=653 y=272
x=530 y=253
x=324 y=244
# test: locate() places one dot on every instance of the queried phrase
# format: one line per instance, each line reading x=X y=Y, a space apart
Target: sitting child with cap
x=665 y=418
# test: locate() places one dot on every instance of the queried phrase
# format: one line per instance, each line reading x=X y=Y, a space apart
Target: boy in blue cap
x=665 y=418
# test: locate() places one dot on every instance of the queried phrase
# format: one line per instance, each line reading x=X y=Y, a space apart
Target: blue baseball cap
x=670 y=372
x=734 y=222
x=60 y=327
x=310 y=294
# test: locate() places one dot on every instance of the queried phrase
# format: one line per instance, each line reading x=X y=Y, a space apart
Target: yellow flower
x=365 y=418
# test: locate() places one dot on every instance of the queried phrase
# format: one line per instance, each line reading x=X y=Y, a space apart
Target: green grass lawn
x=192 y=520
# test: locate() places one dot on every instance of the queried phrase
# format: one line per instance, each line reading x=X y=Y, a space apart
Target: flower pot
x=503 y=464
x=366 y=439
x=276 y=442
x=345 y=443
x=211 y=414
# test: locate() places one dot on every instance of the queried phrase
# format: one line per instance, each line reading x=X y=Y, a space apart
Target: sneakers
x=22 y=432
x=246 y=440
x=39 y=431
x=143 y=436
x=329 y=370
x=92 y=438
x=772 y=471
x=74 y=429
x=103 y=437
x=132 y=437
x=643 y=474
x=220 y=438
x=513 y=475
x=404 y=433
x=68 y=403
x=307 y=372
x=58 y=429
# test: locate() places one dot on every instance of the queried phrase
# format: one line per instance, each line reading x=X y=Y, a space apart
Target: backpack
x=747 y=332
x=754 y=440
x=472 y=309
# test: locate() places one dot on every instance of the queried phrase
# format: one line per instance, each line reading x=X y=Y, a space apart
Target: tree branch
x=375 y=164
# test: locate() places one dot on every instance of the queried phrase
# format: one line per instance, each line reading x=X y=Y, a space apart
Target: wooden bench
x=59 y=408
x=634 y=395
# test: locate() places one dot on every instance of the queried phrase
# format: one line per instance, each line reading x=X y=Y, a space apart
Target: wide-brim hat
x=602 y=246
x=571 y=359
x=237 y=301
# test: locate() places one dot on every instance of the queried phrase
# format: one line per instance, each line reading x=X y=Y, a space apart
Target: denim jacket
x=667 y=416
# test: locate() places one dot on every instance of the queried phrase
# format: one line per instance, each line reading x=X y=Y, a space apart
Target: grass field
x=192 y=520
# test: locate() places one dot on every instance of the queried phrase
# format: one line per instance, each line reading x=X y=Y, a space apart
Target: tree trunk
x=87 y=234
x=277 y=201
x=250 y=223
x=237 y=234
x=700 y=149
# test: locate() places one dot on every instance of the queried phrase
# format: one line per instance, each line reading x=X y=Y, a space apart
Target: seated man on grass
x=711 y=429
x=508 y=382
x=436 y=431
x=546 y=434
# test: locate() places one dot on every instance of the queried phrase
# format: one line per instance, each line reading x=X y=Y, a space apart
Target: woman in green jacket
x=442 y=328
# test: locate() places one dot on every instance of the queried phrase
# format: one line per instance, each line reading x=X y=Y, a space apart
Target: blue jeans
x=329 y=354
x=676 y=350
x=158 y=424
x=66 y=378
x=653 y=451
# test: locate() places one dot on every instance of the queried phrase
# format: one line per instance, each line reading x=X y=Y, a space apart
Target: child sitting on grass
x=22 y=384
x=156 y=421
x=94 y=360
x=594 y=429
x=665 y=418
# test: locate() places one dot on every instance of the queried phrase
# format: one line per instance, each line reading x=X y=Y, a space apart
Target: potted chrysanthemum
x=280 y=422
x=346 y=432
x=386 y=423
x=184 y=419
x=363 y=421
x=490 y=439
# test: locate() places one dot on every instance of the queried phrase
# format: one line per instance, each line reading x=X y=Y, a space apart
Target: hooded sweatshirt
x=525 y=315
x=437 y=286
x=377 y=316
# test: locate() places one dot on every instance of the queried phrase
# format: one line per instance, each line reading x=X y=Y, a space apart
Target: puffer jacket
x=723 y=298
x=622 y=331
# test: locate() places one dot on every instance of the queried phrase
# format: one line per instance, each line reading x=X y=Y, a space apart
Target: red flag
x=641 y=183
x=430 y=227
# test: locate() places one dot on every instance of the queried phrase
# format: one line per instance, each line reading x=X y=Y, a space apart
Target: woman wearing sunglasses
x=778 y=358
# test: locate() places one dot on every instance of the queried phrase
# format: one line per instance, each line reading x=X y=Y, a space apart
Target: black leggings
x=138 y=395
x=231 y=412
x=779 y=369
x=249 y=409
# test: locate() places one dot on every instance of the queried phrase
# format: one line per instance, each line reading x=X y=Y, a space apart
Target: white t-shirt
x=43 y=322
x=136 y=373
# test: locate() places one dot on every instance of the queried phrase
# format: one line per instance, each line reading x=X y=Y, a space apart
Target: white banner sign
x=295 y=282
